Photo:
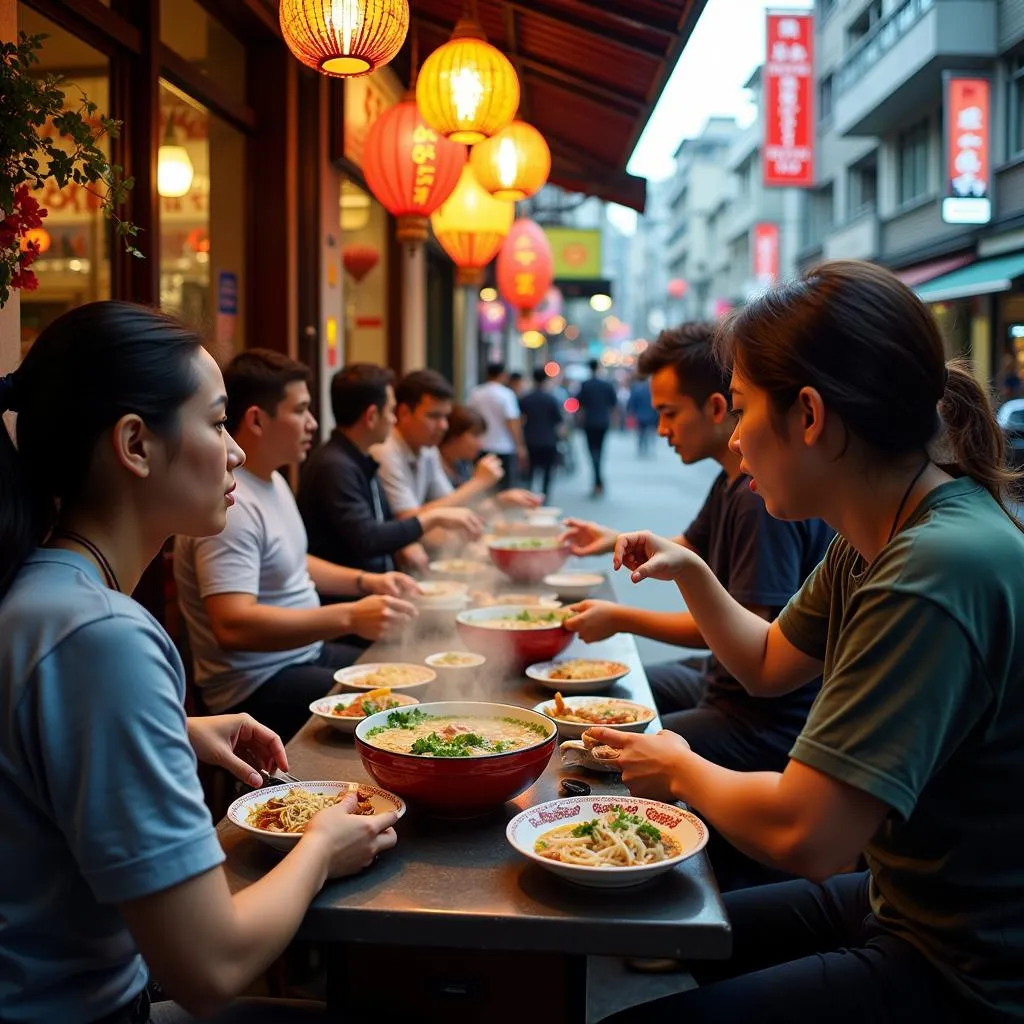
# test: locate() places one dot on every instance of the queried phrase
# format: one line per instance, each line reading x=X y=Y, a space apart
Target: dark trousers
x=246 y=1011
x=727 y=740
x=644 y=435
x=510 y=463
x=282 y=702
x=809 y=953
x=595 y=445
x=542 y=464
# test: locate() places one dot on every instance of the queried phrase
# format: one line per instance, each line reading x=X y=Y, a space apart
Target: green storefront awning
x=982 y=278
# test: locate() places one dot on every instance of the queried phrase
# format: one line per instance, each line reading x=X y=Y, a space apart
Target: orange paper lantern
x=410 y=168
x=514 y=164
x=344 y=38
x=359 y=260
x=467 y=90
x=525 y=270
x=470 y=226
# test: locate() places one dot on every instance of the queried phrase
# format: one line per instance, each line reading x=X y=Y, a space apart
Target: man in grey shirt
x=261 y=641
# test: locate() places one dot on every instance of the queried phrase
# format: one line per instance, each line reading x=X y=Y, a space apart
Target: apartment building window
x=913 y=162
x=825 y=98
x=825 y=7
x=820 y=216
x=862 y=187
x=869 y=18
x=1015 y=108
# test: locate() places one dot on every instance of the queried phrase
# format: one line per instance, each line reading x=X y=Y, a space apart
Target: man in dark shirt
x=598 y=401
x=542 y=419
x=761 y=561
x=345 y=509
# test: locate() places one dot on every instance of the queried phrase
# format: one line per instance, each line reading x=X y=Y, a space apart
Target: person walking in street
x=542 y=424
x=498 y=405
x=598 y=402
x=643 y=414
x=911 y=756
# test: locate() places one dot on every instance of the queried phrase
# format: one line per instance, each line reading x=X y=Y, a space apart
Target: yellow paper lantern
x=514 y=164
x=345 y=38
x=467 y=90
x=471 y=225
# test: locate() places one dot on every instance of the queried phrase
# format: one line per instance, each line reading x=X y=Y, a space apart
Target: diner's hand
x=586 y=538
x=489 y=470
x=352 y=841
x=392 y=584
x=465 y=520
x=518 y=497
x=238 y=743
x=593 y=620
x=650 y=764
x=413 y=558
x=650 y=557
x=379 y=617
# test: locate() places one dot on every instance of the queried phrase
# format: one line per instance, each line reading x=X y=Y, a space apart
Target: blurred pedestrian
x=542 y=423
x=642 y=412
x=598 y=400
x=498 y=405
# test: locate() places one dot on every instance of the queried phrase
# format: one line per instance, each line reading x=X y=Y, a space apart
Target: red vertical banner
x=967 y=193
x=789 y=100
x=766 y=254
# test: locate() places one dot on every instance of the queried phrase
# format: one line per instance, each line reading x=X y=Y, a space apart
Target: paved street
x=656 y=492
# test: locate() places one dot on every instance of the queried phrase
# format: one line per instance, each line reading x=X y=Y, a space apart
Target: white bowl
x=459 y=568
x=541 y=673
x=574 y=730
x=573 y=586
x=545 y=599
x=474 y=661
x=544 y=512
x=238 y=812
x=442 y=594
x=322 y=709
x=685 y=828
x=354 y=677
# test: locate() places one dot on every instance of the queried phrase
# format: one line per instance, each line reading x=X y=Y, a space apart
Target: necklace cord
x=906 y=495
x=110 y=577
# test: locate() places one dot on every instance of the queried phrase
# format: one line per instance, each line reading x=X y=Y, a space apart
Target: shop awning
x=591 y=73
x=921 y=272
x=982 y=278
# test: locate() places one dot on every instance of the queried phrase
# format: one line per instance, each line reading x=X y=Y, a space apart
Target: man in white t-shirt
x=499 y=407
x=261 y=640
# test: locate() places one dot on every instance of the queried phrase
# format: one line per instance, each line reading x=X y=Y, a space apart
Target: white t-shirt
x=409 y=479
x=497 y=404
x=262 y=551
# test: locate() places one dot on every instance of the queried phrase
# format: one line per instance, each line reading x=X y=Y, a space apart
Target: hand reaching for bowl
x=651 y=765
x=465 y=520
x=489 y=470
x=518 y=497
x=594 y=620
x=650 y=557
x=350 y=842
x=378 y=617
x=392 y=584
x=585 y=538
x=238 y=743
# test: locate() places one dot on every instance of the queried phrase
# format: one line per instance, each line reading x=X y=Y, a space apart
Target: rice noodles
x=292 y=811
x=614 y=839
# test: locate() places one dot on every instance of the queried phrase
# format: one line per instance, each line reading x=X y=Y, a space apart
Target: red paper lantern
x=410 y=168
x=677 y=288
x=359 y=260
x=524 y=269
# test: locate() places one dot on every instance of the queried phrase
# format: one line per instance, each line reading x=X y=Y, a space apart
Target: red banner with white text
x=967 y=197
x=766 y=254
x=789 y=100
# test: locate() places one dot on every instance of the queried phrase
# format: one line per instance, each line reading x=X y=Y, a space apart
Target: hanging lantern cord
x=414 y=56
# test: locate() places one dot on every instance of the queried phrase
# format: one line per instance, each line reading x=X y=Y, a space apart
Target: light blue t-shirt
x=99 y=798
x=262 y=551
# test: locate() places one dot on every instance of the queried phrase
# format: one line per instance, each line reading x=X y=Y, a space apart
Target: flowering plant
x=30 y=156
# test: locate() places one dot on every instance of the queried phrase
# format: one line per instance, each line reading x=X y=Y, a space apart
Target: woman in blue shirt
x=109 y=860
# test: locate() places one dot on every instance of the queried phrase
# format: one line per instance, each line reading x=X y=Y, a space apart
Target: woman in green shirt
x=911 y=756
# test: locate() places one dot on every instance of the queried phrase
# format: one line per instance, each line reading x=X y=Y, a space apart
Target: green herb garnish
x=648 y=832
x=401 y=720
x=586 y=829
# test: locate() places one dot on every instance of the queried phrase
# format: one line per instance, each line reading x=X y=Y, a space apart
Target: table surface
x=460 y=884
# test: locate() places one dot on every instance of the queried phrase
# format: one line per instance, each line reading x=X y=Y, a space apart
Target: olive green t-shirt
x=922 y=706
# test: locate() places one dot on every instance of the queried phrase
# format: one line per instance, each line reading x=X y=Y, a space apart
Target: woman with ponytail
x=109 y=861
x=912 y=759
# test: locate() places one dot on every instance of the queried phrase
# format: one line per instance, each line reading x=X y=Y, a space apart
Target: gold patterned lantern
x=345 y=38
x=467 y=90
x=470 y=226
x=514 y=164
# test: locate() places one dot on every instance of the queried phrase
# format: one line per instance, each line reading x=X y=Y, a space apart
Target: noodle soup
x=615 y=839
x=420 y=734
x=526 y=619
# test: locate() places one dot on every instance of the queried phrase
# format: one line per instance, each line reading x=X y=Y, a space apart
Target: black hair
x=539 y=376
x=690 y=350
x=259 y=376
x=495 y=370
x=464 y=419
x=86 y=370
x=356 y=388
x=413 y=387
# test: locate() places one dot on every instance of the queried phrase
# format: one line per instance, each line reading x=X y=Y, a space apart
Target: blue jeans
x=809 y=953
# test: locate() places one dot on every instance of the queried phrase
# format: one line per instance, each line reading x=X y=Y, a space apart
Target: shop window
x=364 y=232
x=74 y=265
x=192 y=33
x=200 y=168
x=1015 y=108
x=912 y=154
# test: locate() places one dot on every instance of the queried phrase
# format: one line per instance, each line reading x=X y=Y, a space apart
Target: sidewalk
x=655 y=493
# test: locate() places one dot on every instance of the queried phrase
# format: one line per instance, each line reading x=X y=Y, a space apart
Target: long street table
x=458 y=886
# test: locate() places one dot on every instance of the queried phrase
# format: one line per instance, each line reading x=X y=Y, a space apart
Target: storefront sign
x=366 y=99
x=575 y=252
x=766 y=254
x=789 y=94
x=967 y=197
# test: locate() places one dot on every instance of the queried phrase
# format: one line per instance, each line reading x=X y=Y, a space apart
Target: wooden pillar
x=10 y=315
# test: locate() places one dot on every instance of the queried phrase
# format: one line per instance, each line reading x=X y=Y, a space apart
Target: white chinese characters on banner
x=967 y=162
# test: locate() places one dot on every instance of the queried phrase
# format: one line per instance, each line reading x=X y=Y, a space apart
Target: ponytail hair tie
x=7 y=389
